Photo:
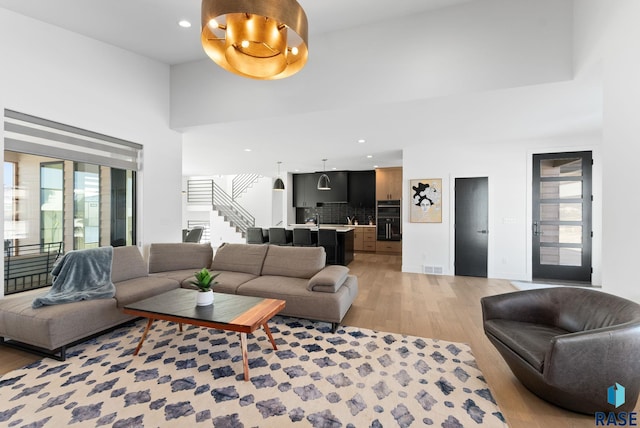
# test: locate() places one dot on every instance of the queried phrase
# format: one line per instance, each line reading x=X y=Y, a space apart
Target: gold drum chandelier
x=260 y=39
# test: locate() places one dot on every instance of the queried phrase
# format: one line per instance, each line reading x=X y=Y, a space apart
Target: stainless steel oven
x=388 y=214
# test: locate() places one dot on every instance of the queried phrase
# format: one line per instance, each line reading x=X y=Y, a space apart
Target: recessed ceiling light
x=184 y=23
x=334 y=168
x=375 y=166
x=369 y=156
x=361 y=140
x=247 y=150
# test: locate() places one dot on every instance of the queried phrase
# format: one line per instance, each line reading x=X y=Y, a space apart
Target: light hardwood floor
x=443 y=307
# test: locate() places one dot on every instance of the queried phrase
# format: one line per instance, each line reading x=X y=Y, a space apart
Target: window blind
x=29 y=134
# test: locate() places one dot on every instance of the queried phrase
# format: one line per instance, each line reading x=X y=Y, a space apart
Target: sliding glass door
x=123 y=212
x=86 y=206
x=67 y=186
x=51 y=202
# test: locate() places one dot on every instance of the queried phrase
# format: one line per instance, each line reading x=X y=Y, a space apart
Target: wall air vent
x=432 y=270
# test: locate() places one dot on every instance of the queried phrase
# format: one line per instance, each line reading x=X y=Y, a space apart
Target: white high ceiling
x=149 y=28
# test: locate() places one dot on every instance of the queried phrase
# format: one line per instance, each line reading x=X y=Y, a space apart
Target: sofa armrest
x=329 y=279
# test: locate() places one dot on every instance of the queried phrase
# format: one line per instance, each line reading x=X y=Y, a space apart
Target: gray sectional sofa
x=294 y=274
x=297 y=275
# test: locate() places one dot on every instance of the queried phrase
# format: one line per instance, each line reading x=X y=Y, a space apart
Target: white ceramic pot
x=205 y=298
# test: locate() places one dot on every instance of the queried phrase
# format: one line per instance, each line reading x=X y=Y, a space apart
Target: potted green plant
x=204 y=280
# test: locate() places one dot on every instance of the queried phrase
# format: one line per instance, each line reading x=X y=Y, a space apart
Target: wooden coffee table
x=242 y=314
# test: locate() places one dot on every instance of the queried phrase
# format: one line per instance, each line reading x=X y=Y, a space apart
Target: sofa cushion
x=184 y=276
x=530 y=341
x=179 y=256
x=301 y=302
x=132 y=290
x=127 y=263
x=329 y=279
x=295 y=262
x=246 y=258
x=228 y=282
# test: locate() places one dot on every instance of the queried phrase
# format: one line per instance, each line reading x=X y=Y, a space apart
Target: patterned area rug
x=353 y=378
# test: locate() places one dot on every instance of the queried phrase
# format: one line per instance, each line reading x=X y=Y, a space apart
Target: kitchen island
x=345 y=239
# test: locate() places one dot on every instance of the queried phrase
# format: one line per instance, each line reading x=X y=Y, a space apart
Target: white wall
x=258 y=199
x=621 y=140
x=508 y=167
x=61 y=76
x=442 y=52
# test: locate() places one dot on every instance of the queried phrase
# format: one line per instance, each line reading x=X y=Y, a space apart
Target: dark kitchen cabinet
x=307 y=195
x=304 y=190
x=339 y=185
x=362 y=189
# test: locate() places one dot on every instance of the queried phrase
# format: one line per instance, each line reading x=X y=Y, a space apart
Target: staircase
x=207 y=192
x=241 y=183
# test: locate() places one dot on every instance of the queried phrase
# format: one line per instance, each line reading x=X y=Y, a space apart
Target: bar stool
x=278 y=236
x=328 y=238
x=254 y=235
x=302 y=237
x=194 y=234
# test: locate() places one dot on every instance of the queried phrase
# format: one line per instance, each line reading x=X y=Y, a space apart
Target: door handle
x=536 y=230
x=483 y=231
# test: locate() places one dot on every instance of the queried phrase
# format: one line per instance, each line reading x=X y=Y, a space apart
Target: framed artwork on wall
x=426 y=200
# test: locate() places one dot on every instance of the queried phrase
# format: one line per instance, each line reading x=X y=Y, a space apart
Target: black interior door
x=471 y=226
x=562 y=216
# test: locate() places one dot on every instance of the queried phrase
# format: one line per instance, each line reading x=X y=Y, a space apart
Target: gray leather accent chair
x=568 y=345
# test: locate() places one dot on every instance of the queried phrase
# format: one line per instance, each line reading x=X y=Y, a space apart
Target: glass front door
x=562 y=216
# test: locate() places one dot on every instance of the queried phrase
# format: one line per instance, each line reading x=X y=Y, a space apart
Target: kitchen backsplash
x=336 y=213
